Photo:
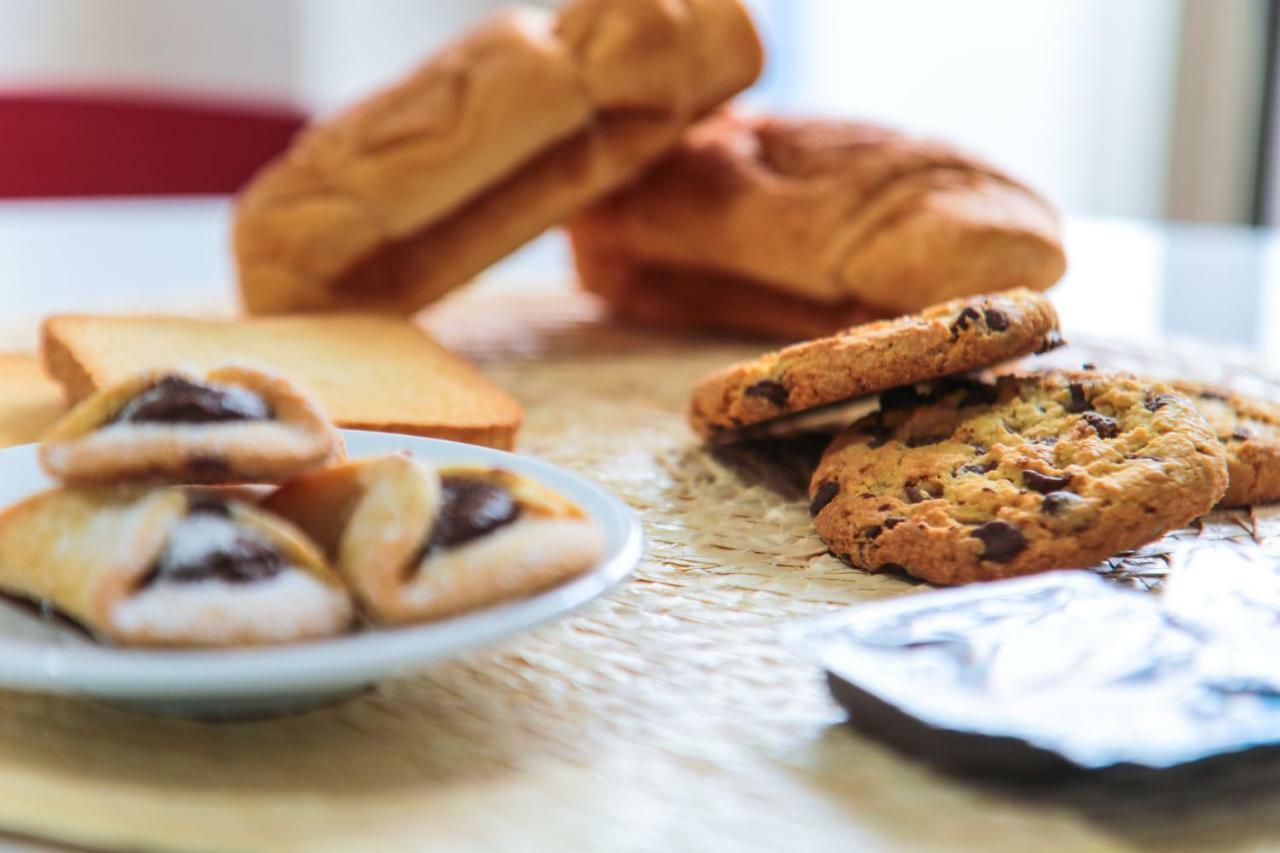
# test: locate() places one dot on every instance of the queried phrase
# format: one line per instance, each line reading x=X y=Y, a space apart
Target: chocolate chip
x=997 y=321
x=1089 y=365
x=1079 y=403
x=1044 y=483
x=1104 y=426
x=1212 y=395
x=1046 y=440
x=892 y=522
x=982 y=467
x=1156 y=402
x=964 y=320
x=1241 y=434
x=823 y=495
x=916 y=495
x=873 y=531
x=177 y=400
x=1052 y=340
x=1057 y=502
x=925 y=440
x=1001 y=541
x=774 y=392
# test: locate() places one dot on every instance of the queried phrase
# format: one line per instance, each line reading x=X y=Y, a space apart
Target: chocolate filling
x=226 y=552
x=177 y=400
x=469 y=508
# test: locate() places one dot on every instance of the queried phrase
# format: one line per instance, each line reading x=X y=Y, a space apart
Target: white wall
x=227 y=46
x=1073 y=95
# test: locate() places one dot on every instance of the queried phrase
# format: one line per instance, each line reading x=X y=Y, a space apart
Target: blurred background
x=1161 y=109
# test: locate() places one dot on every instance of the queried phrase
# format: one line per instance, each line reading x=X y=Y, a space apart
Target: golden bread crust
x=393 y=202
x=828 y=211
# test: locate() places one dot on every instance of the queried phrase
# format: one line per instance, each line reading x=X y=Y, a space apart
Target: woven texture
x=666 y=717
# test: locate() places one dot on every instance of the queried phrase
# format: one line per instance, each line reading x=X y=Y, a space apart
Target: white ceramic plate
x=46 y=655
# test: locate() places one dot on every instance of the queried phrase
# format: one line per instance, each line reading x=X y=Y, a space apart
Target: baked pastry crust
x=368 y=372
x=827 y=211
x=89 y=552
x=977 y=481
x=1249 y=430
x=375 y=518
x=413 y=191
x=89 y=447
x=964 y=334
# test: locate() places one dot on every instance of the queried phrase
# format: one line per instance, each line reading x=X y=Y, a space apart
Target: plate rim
x=347 y=661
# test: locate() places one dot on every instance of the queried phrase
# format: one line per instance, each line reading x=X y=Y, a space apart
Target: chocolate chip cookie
x=968 y=481
x=1249 y=429
x=951 y=337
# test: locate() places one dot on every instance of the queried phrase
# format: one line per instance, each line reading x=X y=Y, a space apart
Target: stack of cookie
x=960 y=477
x=158 y=535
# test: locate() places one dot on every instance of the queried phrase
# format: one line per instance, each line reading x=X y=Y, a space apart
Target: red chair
x=89 y=144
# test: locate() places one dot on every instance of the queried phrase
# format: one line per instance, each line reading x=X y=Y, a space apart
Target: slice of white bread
x=30 y=401
x=368 y=372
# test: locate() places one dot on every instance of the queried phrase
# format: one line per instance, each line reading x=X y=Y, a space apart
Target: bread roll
x=822 y=211
x=410 y=193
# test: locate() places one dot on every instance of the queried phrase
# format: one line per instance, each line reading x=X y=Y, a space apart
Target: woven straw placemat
x=666 y=717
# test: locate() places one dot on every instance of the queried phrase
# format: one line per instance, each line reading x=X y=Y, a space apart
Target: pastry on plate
x=416 y=543
x=163 y=567
x=964 y=334
x=826 y=212
x=1249 y=429
x=392 y=203
x=973 y=481
x=230 y=425
x=375 y=373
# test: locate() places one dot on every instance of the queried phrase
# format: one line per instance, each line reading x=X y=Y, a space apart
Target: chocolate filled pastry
x=167 y=567
x=414 y=543
x=232 y=425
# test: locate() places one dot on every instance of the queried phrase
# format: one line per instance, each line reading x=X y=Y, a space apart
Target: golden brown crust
x=706 y=300
x=829 y=211
x=368 y=372
x=392 y=203
x=964 y=334
x=87 y=551
x=87 y=447
x=30 y=402
x=374 y=518
x=1249 y=430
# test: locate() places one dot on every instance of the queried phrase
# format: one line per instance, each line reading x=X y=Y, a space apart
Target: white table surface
x=1133 y=280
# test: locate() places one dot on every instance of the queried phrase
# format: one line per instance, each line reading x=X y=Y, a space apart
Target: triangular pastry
x=416 y=543
x=234 y=424
x=169 y=567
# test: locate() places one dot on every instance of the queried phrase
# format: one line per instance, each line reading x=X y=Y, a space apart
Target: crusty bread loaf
x=30 y=402
x=412 y=192
x=368 y=372
x=828 y=211
x=704 y=300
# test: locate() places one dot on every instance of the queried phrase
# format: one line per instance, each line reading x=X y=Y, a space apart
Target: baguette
x=396 y=201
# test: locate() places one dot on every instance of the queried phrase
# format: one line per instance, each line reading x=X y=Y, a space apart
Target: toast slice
x=30 y=401
x=368 y=372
